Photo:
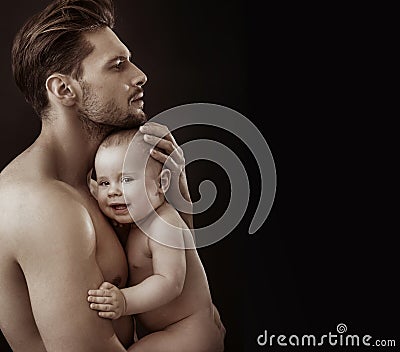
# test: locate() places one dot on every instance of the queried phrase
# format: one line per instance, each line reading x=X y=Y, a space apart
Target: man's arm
x=57 y=256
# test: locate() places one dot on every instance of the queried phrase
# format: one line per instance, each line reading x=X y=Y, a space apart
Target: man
x=77 y=75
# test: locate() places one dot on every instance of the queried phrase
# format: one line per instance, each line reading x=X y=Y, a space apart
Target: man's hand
x=173 y=158
x=159 y=135
x=108 y=300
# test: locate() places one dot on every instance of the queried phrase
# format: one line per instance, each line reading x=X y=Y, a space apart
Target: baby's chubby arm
x=166 y=282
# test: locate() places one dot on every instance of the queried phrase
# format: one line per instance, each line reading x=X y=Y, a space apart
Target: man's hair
x=52 y=41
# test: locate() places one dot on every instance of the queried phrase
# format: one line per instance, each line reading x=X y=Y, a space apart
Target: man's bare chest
x=110 y=255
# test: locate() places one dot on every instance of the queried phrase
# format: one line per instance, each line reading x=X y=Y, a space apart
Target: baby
x=168 y=290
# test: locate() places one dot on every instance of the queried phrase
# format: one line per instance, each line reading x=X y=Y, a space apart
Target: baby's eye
x=104 y=183
x=126 y=179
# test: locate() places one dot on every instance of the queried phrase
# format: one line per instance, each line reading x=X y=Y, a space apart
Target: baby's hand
x=108 y=300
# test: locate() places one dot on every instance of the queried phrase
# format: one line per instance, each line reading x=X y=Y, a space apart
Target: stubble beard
x=101 y=118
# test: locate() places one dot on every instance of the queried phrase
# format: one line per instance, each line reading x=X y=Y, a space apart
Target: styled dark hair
x=52 y=41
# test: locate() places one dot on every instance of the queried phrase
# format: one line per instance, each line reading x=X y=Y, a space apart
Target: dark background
x=310 y=80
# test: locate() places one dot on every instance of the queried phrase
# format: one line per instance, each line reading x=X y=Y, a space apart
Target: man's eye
x=119 y=64
x=103 y=183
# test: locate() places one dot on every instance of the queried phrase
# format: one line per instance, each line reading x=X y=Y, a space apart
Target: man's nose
x=138 y=78
x=114 y=190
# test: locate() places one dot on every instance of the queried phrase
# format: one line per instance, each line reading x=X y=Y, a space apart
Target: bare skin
x=168 y=292
x=63 y=242
x=179 y=311
x=168 y=289
x=53 y=234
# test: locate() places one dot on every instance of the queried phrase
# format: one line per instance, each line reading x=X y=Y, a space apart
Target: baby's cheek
x=151 y=189
x=102 y=204
x=140 y=201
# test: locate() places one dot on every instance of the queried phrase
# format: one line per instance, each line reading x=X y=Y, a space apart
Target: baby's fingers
x=96 y=299
x=106 y=286
x=101 y=307
x=108 y=315
x=100 y=293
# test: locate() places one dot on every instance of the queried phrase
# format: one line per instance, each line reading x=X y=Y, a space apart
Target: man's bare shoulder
x=42 y=210
x=28 y=192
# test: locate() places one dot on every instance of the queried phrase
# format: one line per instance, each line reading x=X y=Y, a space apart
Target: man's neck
x=71 y=148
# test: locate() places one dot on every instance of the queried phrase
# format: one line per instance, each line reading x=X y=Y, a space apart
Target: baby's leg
x=197 y=333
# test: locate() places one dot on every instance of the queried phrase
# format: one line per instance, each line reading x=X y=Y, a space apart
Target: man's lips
x=136 y=99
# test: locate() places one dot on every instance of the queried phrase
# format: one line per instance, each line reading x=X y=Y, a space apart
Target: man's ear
x=61 y=88
x=165 y=177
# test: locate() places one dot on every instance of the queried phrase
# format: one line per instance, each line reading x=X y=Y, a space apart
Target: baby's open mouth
x=119 y=206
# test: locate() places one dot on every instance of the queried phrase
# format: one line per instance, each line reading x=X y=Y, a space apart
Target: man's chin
x=135 y=120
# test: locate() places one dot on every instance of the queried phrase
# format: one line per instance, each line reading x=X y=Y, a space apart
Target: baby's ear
x=93 y=188
x=165 y=177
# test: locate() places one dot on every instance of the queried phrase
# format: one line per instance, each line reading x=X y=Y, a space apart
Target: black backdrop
x=325 y=255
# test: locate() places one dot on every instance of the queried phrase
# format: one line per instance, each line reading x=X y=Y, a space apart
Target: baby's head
x=130 y=183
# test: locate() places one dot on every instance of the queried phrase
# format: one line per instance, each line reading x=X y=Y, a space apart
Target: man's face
x=111 y=84
x=131 y=194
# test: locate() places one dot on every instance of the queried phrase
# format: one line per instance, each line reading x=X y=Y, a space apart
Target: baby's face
x=130 y=195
